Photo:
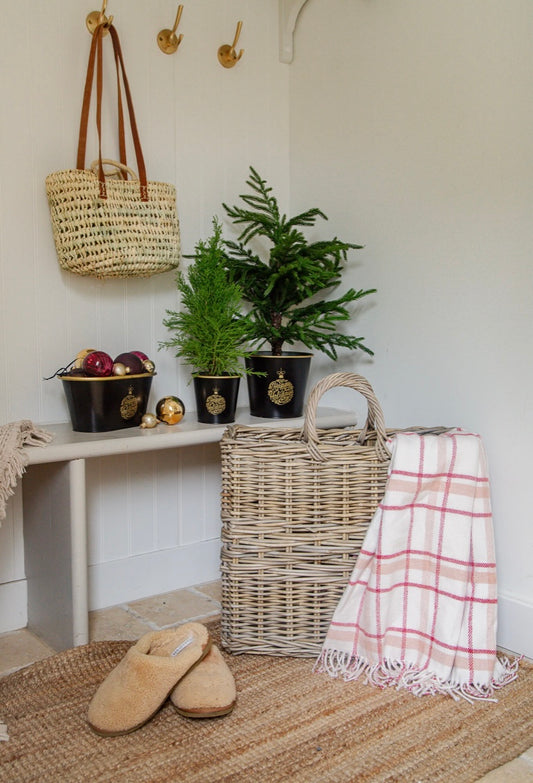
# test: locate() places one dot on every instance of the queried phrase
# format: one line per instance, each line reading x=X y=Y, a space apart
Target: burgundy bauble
x=142 y=356
x=131 y=362
x=98 y=364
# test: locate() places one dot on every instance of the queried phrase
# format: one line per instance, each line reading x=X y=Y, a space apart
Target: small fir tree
x=210 y=331
x=286 y=291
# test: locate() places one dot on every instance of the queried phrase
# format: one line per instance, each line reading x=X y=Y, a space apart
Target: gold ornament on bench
x=170 y=410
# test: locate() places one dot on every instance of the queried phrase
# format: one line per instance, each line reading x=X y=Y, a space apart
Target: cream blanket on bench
x=420 y=608
x=13 y=460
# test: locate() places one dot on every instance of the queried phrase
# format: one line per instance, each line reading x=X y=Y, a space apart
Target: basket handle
x=375 y=418
x=121 y=169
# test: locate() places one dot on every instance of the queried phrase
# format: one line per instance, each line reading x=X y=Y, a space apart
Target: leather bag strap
x=84 y=120
x=121 y=133
x=82 y=140
x=96 y=58
x=141 y=168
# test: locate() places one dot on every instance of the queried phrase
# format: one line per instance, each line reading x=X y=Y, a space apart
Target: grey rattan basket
x=296 y=504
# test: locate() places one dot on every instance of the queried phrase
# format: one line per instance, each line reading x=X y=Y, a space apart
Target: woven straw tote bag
x=112 y=227
x=296 y=505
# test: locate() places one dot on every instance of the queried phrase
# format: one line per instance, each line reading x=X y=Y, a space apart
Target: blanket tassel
x=403 y=676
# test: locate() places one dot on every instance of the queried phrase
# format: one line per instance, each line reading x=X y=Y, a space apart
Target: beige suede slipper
x=208 y=690
x=137 y=687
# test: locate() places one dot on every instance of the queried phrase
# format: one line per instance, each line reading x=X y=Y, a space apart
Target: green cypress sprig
x=209 y=331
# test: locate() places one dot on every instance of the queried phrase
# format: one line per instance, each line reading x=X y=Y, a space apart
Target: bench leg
x=55 y=552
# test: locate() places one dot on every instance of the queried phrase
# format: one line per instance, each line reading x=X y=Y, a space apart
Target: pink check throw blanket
x=420 y=608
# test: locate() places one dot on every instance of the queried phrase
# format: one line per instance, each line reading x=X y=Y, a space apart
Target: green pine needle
x=286 y=290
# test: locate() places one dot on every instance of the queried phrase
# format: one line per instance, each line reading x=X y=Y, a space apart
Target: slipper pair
x=181 y=663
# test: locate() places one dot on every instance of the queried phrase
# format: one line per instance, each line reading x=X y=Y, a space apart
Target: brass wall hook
x=227 y=55
x=98 y=17
x=167 y=40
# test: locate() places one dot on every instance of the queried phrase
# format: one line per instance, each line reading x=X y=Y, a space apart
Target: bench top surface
x=68 y=445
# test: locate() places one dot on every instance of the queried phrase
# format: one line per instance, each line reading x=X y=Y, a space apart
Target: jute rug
x=289 y=725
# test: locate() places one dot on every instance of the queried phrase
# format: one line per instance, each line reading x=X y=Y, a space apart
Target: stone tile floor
x=130 y=621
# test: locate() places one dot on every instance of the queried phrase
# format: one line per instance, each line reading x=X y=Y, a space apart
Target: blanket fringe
x=406 y=676
x=13 y=460
x=36 y=437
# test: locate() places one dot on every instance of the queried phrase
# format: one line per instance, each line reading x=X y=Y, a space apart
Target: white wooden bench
x=55 y=518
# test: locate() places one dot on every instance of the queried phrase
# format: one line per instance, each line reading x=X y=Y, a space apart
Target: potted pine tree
x=285 y=287
x=210 y=331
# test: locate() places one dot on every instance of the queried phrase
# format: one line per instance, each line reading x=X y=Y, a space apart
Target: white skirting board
x=126 y=580
x=13 y=605
x=132 y=578
x=122 y=581
x=515 y=624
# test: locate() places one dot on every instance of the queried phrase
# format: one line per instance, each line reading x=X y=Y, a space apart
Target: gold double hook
x=98 y=17
x=167 y=40
x=227 y=55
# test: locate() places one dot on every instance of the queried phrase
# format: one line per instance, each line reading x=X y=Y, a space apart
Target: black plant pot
x=280 y=394
x=105 y=404
x=216 y=398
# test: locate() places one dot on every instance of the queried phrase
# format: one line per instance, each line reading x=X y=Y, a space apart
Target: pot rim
x=226 y=377
x=125 y=377
x=283 y=355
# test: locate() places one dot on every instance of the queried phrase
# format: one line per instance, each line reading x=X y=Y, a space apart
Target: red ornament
x=98 y=364
x=142 y=356
x=131 y=362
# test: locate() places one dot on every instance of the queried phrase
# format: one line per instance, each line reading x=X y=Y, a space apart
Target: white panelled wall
x=409 y=122
x=153 y=519
x=421 y=149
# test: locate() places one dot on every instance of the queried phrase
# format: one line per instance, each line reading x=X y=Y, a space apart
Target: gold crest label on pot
x=129 y=405
x=280 y=391
x=215 y=403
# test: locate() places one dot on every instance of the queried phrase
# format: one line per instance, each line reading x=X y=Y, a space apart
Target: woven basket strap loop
x=122 y=171
x=95 y=56
x=375 y=421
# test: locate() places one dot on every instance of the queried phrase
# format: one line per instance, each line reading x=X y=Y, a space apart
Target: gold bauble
x=119 y=368
x=170 y=409
x=148 y=421
x=148 y=366
x=80 y=356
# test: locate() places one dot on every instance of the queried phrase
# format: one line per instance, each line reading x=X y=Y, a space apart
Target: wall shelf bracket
x=288 y=14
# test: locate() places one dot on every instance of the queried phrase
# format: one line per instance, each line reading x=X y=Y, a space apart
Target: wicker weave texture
x=119 y=236
x=296 y=505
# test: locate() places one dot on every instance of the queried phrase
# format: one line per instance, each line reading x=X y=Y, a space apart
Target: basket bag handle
x=82 y=139
x=96 y=56
x=375 y=420
x=122 y=171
